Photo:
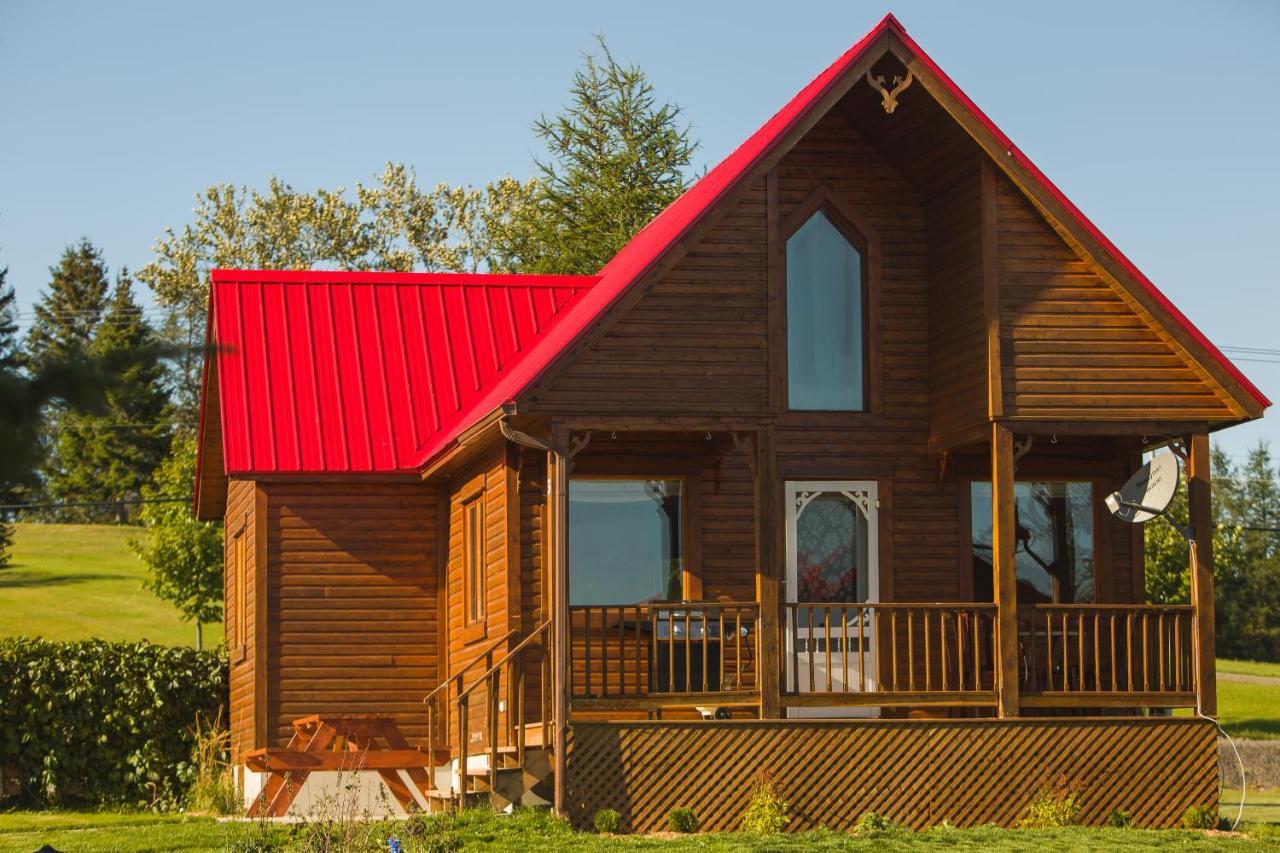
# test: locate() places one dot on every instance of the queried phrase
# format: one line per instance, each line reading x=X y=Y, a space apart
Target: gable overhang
x=666 y=239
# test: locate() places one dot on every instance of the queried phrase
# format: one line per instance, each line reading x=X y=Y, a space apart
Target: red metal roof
x=359 y=372
x=382 y=372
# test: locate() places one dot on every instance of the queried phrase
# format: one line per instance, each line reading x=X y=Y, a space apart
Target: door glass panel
x=831 y=550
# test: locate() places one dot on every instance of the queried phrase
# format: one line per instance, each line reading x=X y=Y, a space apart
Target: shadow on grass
x=11 y=579
x=1267 y=727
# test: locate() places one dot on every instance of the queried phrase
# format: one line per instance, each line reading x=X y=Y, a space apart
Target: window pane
x=1054 y=551
x=824 y=319
x=624 y=541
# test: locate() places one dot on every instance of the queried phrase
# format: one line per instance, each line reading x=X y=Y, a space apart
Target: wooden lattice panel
x=916 y=773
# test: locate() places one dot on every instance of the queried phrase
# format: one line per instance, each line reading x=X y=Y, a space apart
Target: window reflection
x=625 y=541
x=1054 y=543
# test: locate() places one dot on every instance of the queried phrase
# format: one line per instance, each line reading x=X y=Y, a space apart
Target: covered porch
x=812 y=628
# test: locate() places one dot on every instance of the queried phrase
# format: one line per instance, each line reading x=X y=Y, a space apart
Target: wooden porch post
x=1005 y=577
x=767 y=575
x=557 y=503
x=1200 y=510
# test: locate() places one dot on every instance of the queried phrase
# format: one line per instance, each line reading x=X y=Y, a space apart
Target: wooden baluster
x=724 y=650
x=808 y=620
x=942 y=639
x=1160 y=637
x=844 y=649
x=462 y=750
x=689 y=653
x=1146 y=652
x=704 y=650
x=638 y=650
x=586 y=647
x=959 y=623
x=826 y=619
x=737 y=647
x=1097 y=655
x=492 y=689
x=1066 y=649
x=977 y=662
x=1048 y=650
x=1128 y=649
x=1177 y=652
x=1080 y=678
x=928 y=661
x=863 y=613
x=793 y=625
x=893 y=646
x=911 y=651
x=519 y=717
x=1111 y=620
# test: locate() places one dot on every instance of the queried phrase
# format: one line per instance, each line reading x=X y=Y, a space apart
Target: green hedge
x=103 y=723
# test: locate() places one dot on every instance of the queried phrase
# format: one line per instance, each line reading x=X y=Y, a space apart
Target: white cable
x=1239 y=761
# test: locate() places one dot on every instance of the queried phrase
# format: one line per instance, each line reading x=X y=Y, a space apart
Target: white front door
x=832 y=541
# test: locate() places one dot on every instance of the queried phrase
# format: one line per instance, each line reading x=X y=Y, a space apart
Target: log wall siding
x=957 y=319
x=915 y=773
x=1072 y=347
x=240 y=518
x=464 y=641
x=353 y=604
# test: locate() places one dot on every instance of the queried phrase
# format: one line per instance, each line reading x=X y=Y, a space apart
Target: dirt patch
x=1261 y=760
x=1249 y=679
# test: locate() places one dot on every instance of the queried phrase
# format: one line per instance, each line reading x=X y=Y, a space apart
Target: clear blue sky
x=1159 y=119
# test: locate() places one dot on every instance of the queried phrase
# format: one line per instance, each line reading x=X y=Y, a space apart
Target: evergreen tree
x=108 y=455
x=9 y=364
x=616 y=158
x=68 y=313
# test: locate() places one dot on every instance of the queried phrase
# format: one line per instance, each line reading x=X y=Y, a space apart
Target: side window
x=826 y=295
x=1054 y=553
x=473 y=559
x=240 y=579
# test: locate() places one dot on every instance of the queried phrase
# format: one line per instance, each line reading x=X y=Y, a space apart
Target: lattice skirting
x=915 y=772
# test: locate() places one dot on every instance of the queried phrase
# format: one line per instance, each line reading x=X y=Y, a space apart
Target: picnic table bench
x=344 y=743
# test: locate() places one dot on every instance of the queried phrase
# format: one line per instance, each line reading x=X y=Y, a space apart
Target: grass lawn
x=538 y=831
x=75 y=581
x=1249 y=710
x=1249 y=667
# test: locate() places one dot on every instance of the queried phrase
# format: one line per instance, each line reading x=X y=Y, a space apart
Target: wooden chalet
x=808 y=479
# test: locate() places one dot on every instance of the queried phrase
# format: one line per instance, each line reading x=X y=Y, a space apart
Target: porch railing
x=666 y=650
x=889 y=653
x=1091 y=655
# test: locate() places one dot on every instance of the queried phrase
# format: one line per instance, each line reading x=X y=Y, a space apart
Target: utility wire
x=77 y=504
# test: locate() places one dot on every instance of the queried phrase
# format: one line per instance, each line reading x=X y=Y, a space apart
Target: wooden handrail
x=445 y=682
x=519 y=647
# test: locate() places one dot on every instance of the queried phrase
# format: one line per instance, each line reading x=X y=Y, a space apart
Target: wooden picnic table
x=339 y=742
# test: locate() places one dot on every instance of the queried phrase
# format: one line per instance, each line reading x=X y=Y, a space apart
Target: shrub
x=1200 y=817
x=1054 y=806
x=98 y=723
x=682 y=820
x=607 y=821
x=872 y=822
x=767 y=813
x=1119 y=819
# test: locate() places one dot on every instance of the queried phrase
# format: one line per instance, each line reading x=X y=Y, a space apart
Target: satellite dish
x=1149 y=491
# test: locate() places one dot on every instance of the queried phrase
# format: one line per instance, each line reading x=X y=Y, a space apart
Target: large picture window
x=625 y=540
x=1054 y=541
x=825 y=344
